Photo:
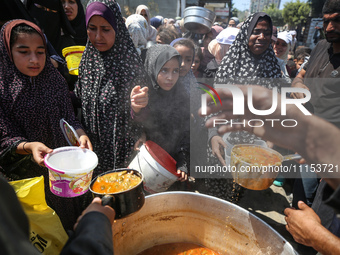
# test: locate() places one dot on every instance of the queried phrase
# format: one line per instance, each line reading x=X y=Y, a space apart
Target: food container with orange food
x=256 y=167
x=122 y=189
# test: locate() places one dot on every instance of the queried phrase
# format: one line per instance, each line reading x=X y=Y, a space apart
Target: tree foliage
x=295 y=13
x=233 y=10
x=275 y=14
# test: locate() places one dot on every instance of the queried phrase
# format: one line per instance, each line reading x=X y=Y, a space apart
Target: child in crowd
x=186 y=48
x=33 y=99
x=167 y=122
x=300 y=59
x=187 y=80
x=197 y=61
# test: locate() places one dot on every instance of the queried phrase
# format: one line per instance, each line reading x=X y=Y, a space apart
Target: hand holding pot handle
x=109 y=200
x=97 y=205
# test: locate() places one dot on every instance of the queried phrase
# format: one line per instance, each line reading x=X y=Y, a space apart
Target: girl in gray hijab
x=167 y=122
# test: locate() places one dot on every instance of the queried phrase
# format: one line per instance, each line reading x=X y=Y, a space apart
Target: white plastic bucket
x=70 y=170
x=156 y=177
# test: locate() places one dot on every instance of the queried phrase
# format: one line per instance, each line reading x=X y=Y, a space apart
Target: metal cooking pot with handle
x=224 y=227
x=198 y=20
x=124 y=203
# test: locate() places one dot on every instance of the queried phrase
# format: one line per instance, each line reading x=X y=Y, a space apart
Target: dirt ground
x=276 y=200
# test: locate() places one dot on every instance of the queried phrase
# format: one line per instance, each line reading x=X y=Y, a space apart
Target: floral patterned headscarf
x=104 y=86
x=241 y=66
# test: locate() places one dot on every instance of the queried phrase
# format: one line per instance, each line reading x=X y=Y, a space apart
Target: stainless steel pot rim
x=198 y=8
x=196 y=17
x=217 y=200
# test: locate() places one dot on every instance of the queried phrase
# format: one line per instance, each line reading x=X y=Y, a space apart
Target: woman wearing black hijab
x=51 y=18
x=75 y=14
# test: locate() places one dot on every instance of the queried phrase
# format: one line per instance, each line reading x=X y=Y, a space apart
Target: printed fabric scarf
x=240 y=66
x=104 y=85
x=30 y=110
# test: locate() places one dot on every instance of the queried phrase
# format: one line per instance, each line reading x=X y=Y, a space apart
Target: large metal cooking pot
x=198 y=20
x=196 y=218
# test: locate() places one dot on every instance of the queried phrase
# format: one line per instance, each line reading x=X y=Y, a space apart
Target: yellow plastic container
x=73 y=56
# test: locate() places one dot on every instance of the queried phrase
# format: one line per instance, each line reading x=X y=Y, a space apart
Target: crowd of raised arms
x=138 y=80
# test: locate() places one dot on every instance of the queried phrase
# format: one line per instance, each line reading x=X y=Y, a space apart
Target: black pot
x=124 y=203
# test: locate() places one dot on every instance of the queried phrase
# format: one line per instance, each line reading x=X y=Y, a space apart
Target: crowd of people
x=138 y=80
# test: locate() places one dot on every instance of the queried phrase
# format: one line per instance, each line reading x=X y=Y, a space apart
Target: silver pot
x=198 y=20
x=196 y=218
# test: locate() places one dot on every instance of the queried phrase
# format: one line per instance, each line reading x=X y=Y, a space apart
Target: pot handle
x=109 y=200
x=291 y=157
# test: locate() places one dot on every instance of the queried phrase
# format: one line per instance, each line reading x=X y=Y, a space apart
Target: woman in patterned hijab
x=108 y=71
x=242 y=64
x=250 y=60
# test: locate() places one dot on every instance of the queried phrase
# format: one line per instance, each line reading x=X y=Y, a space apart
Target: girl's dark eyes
x=25 y=52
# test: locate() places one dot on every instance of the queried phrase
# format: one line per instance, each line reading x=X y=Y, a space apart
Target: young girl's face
x=101 y=33
x=196 y=64
x=29 y=54
x=187 y=55
x=168 y=75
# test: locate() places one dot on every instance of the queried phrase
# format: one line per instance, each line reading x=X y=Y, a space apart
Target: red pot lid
x=161 y=156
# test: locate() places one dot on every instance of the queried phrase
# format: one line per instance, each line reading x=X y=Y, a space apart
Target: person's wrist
x=26 y=147
x=298 y=82
x=136 y=110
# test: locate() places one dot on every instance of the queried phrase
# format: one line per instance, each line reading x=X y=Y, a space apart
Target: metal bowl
x=196 y=218
x=198 y=20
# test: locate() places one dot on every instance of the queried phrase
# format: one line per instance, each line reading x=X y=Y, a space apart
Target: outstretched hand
x=39 y=150
x=217 y=147
x=139 y=98
x=302 y=223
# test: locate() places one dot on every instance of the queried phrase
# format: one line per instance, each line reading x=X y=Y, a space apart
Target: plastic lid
x=69 y=133
x=162 y=157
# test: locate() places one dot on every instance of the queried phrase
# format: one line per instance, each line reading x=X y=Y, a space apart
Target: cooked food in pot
x=178 y=249
x=115 y=182
x=256 y=156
